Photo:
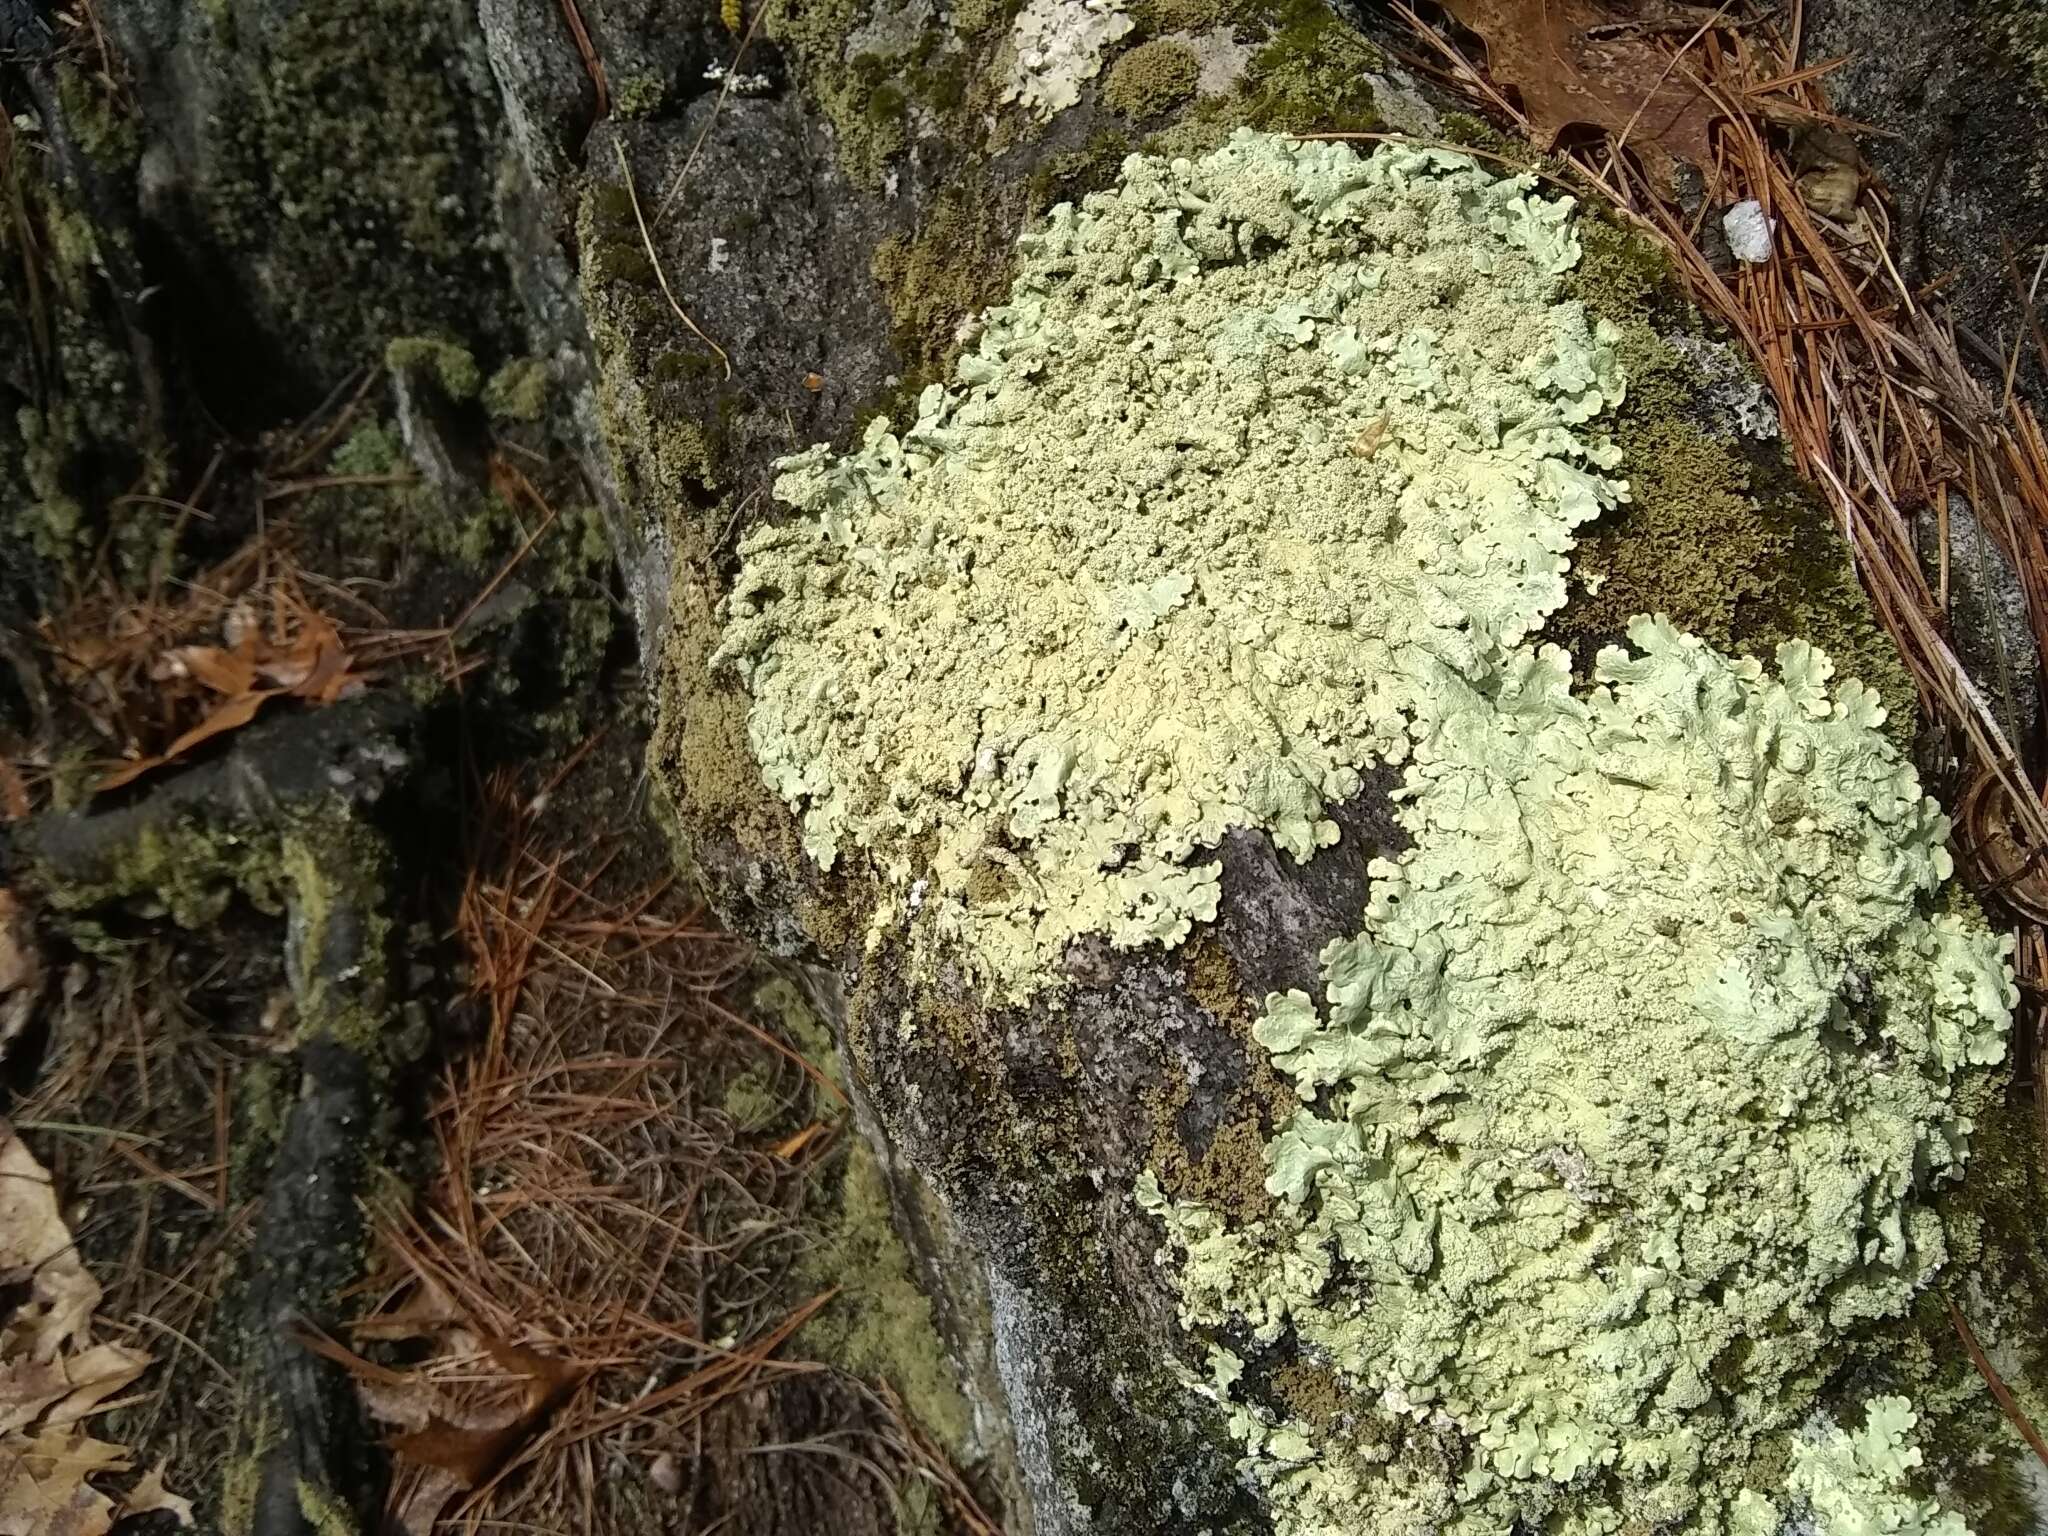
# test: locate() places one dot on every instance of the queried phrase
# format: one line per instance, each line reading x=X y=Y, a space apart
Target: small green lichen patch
x=1056 y=45
x=1624 y=1104
x=1258 y=446
x=1855 y=1481
x=1152 y=78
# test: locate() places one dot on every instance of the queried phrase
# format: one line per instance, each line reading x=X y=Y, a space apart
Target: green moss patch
x=1152 y=78
x=1724 y=540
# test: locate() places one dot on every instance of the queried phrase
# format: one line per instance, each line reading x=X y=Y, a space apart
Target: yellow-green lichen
x=1055 y=46
x=1254 y=439
x=325 y=1513
x=1625 y=1104
x=641 y=95
x=1855 y=1482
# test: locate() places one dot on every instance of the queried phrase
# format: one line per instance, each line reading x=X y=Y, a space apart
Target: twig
x=660 y=272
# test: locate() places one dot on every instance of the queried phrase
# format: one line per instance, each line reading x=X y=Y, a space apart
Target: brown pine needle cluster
x=601 y=1259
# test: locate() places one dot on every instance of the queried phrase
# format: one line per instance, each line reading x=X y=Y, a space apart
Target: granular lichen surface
x=1625 y=1106
x=1624 y=1103
x=1262 y=447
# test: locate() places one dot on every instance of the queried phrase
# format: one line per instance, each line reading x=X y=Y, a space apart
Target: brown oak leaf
x=1582 y=62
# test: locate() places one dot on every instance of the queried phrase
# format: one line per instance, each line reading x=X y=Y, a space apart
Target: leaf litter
x=54 y=1376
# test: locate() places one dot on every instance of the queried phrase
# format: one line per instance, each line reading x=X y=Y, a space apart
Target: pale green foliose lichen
x=1262 y=448
x=1854 y=1482
x=1055 y=45
x=1621 y=1108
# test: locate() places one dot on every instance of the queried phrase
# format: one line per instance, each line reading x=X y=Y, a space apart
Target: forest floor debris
x=55 y=1374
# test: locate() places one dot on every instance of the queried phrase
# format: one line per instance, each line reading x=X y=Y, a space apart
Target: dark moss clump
x=1152 y=78
x=1720 y=536
x=1312 y=73
x=641 y=95
x=518 y=392
x=78 y=419
x=449 y=364
x=353 y=190
x=1071 y=175
x=874 y=98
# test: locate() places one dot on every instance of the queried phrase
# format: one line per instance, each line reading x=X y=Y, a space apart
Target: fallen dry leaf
x=150 y=1495
x=52 y=1375
x=449 y=1446
x=1831 y=170
x=231 y=716
x=1582 y=62
x=43 y=1484
x=21 y=969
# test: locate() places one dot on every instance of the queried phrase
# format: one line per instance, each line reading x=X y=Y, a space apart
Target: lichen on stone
x=1259 y=444
x=1854 y=1482
x=1626 y=1102
x=1055 y=45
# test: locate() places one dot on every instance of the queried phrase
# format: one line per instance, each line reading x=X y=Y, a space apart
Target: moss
x=1228 y=1172
x=54 y=518
x=781 y=1000
x=1312 y=1393
x=1152 y=78
x=338 y=945
x=1311 y=72
x=1314 y=76
x=518 y=391
x=867 y=136
x=664 y=455
x=370 y=450
x=327 y=1515
x=751 y=1101
x=947 y=273
x=880 y=1324
x=262 y=1101
x=1072 y=174
x=187 y=870
x=448 y=363
x=100 y=122
x=1724 y=540
x=349 y=182
x=1182 y=15
x=927 y=80
x=242 y=1479
x=641 y=95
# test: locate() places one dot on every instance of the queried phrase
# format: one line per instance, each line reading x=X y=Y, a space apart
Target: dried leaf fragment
x=52 y=1376
x=150 y=1495
x=21 y=969
x=1579 y=61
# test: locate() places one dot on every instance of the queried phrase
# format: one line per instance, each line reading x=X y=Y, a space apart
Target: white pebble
x=1748 y=232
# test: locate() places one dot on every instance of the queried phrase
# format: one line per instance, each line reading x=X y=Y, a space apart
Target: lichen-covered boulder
x=1662 y=1031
